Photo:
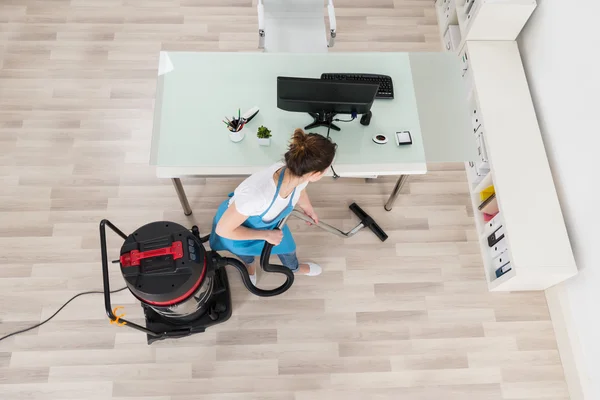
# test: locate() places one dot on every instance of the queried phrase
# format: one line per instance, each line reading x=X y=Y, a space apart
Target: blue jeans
x=288 y=260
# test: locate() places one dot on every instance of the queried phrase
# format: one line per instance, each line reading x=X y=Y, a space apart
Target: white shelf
x=495 y=19
x=538 y=246
x=487 y=19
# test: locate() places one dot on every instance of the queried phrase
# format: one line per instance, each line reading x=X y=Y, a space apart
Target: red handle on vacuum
x=134 y=256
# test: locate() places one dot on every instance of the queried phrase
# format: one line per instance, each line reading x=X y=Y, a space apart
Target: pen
x=239 y=116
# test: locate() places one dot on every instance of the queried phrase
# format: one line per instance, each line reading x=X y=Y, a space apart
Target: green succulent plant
x=263 y=132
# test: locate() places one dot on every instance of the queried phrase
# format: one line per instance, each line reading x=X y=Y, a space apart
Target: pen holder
x=235 y=130
x=236 y=136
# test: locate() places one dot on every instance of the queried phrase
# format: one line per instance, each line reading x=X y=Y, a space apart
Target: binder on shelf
x=476 y=175
x=488 y=217
x=495 y=237
x=499 y=248
x=482 y=164
x=481 y=151
x=486 y=193
x=468 y=5
x=471 y=12
x=502 y=270
x=452 y=37
x=482 y=168
x=489 y=205
x=448 y=40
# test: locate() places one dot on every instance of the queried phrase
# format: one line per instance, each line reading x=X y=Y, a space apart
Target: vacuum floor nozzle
x=367 y=221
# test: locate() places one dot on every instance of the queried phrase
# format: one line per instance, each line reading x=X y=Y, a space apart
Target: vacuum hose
x=265 y=265
x=289 y=280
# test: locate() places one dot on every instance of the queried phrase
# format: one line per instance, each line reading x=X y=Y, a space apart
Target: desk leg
x=187 y=210
x=390 y=203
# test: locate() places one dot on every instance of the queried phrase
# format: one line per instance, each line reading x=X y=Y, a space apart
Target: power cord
x=335 y=175
x=57 y=311
x=354 y=114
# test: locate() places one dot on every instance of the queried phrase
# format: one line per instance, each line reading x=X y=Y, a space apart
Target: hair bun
x=299 y=140
x=309 y=152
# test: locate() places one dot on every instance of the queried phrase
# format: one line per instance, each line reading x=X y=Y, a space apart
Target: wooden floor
x=409 y=319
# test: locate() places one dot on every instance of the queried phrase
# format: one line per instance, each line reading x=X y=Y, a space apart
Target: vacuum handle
x=106 y=280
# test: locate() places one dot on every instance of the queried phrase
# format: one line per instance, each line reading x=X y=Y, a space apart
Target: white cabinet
x=535 y=248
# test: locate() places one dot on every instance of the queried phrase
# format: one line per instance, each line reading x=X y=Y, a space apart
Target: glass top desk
x=195 y=91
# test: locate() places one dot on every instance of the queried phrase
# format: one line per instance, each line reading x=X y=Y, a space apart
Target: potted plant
x=264 y=136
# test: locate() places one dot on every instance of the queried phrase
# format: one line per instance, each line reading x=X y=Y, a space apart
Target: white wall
x=560 y=47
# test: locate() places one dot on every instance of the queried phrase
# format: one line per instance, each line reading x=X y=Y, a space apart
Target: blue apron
x=254 y=247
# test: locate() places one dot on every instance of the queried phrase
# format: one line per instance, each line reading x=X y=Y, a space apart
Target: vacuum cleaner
x=183 y=288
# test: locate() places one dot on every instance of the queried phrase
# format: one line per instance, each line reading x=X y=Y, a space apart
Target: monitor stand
x=322 y=119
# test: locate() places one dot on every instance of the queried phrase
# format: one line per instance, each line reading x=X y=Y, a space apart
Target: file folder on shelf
x=496 y=236
x=486 y=193
x=468 y=5
x=502 y=270
x=489 y=205
x=476 y=175
x=481 y=151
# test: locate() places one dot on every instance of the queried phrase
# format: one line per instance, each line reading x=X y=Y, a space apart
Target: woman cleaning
x=248 y=218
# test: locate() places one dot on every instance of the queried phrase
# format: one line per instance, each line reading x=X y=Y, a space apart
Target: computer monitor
x=323 y=99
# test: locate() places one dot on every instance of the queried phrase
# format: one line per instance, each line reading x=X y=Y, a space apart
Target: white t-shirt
x=254 y=195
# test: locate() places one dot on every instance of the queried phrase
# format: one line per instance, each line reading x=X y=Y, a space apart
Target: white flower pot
x=236 y=136
x=264 y=142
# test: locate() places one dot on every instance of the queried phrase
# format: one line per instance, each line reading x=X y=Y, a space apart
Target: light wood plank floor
x=409 y=319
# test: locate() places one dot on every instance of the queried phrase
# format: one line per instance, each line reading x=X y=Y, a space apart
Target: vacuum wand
x=365 y=221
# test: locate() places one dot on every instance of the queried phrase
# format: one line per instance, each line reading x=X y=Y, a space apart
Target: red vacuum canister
x=165 y=266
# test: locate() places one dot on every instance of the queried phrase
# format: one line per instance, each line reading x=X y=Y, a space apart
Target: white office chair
x=295 y=26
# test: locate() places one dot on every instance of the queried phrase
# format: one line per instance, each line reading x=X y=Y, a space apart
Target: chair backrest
x=294 y=6
x=295 y=26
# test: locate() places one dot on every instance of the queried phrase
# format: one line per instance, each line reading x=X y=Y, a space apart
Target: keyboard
x=386 y=87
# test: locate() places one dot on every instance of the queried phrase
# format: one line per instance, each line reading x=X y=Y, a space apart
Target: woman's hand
x=307 y=208
x=274 y=237
x=309 y=211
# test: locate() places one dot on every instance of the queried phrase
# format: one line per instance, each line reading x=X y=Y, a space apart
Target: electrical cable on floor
x=57 y=311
